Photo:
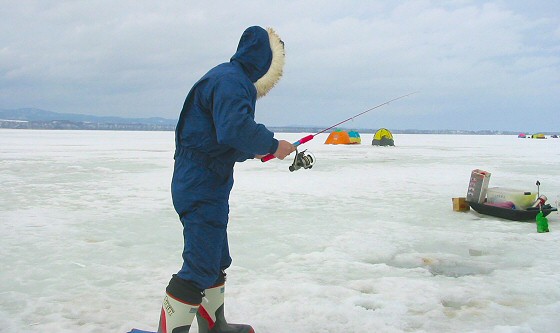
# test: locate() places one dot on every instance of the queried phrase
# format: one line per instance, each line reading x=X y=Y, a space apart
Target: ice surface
x=366 y=241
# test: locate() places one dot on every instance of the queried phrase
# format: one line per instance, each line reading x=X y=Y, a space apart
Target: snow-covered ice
x=365 y=241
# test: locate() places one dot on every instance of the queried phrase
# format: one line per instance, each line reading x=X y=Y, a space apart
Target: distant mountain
x=30 y=118
x=38 y=115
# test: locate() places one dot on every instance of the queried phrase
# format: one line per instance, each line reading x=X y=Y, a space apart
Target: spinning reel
x=302 y=159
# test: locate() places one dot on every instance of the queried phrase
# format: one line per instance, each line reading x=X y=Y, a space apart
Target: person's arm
x=234 y=121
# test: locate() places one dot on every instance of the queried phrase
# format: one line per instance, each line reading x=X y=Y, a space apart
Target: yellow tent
x=538 y=136
x=383 y=137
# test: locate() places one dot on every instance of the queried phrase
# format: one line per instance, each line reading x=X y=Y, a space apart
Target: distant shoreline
x=100 y=126
x=32 y=118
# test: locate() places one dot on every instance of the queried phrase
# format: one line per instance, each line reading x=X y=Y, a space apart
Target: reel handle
x=297 y=143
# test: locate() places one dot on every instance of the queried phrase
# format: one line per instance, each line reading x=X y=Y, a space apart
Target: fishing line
x=311 y=136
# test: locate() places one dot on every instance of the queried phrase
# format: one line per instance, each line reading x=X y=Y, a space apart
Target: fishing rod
x=306 y=161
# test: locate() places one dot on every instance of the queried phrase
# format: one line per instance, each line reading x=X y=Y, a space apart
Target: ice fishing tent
x=355 y=137
x=538 y=136
x=340 y=137
x=383 y=137
x=522 y=135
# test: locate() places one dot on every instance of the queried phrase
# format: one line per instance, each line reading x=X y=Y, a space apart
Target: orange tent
x=338 y=137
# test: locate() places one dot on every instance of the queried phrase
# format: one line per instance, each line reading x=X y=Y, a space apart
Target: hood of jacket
x=261 y=54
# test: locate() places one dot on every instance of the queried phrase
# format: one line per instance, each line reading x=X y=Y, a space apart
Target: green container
x=542 y=223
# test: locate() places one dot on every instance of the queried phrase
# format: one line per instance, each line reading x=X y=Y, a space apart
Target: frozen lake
x=366 y=241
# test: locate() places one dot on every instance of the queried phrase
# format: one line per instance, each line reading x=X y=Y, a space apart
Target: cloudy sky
x=476 y=64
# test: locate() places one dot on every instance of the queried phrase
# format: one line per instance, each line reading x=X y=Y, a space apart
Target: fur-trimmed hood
x=261 y=54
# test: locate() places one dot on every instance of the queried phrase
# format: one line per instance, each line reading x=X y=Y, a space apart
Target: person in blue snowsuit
x=216 y=129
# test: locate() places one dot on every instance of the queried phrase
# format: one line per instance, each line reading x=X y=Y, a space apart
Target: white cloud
x=140 y=57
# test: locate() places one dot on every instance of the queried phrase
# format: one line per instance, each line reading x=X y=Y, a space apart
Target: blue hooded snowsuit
x=216 y=128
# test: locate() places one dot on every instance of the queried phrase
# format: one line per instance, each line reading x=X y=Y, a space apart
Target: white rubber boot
x=179 y=307
x=176 y=315
x=210 y=315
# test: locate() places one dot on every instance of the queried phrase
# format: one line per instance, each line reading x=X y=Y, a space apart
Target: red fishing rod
x=311 y=136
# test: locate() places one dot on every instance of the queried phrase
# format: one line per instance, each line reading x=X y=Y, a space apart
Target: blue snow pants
x=200 y=193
